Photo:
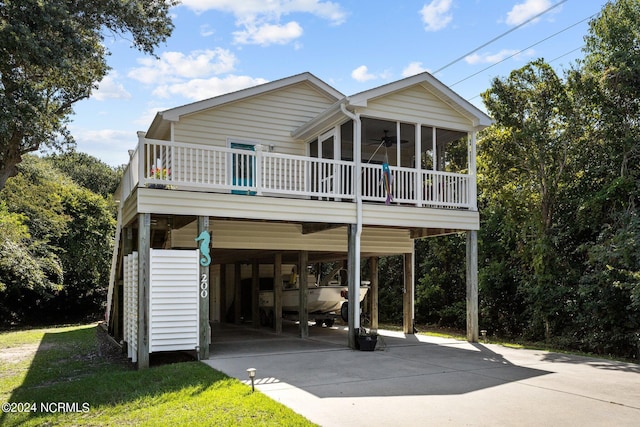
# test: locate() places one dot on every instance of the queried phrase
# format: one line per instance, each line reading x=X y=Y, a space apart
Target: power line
x=499 y=37
x=567 y=53
x=522 y=50
x=549 y=62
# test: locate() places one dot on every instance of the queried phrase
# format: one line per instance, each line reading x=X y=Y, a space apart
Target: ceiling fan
x=387 y=140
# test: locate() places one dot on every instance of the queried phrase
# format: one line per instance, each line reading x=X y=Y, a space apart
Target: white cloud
x=413 y=68
x=206 y=30
x=148 y=115
x=108 y=145
x=259 y=20
x=361 y=74
x=523 y=11
x=435 y=15
x=267 y=34
x=249 y=10
x=197 y=89
x=191 y=75
x=493 y=58
x=175 y=66
x=110 y=88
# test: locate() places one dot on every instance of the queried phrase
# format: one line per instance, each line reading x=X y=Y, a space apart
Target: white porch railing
x=260 y=172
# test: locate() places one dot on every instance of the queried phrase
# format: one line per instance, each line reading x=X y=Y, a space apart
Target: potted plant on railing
x=366 y=340
x=159 y=174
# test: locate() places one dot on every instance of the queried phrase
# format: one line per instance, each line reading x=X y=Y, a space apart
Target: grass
x=429 y=330
x=71 y=365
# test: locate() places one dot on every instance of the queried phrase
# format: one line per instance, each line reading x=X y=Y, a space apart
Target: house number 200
x=204 y=285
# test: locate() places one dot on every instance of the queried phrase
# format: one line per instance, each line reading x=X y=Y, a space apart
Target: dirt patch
x=108 y=349
x=23 y=352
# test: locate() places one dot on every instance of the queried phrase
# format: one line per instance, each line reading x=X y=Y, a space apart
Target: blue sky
x=219 y=46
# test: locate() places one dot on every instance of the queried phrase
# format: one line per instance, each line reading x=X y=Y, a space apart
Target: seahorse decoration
x=205 y=239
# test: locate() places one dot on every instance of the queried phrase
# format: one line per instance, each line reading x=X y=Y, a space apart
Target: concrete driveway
x=420 y=381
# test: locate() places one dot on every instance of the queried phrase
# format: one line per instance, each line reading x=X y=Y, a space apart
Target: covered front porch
x=395 y=163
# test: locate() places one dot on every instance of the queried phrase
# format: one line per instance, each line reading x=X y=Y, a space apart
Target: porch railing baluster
x=225 y=169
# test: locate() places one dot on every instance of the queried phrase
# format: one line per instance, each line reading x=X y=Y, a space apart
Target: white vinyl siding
x=410 y=217
x=282 y=236
x=267 y=118
x=417 y=105
x=300 y=210
x=247 y=207
x=173 y=300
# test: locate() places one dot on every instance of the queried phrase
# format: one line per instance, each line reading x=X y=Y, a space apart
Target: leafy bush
x=55 y=247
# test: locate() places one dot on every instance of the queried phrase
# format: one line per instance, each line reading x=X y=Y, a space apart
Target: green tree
x=53 y=55
x=612 y=60
x=86 y=250
x=608 y=191
x=441 y=281
x=502 y=270
x=31 y=271
x=391 y=288
x=88 y=172
x=54 y=264
x=528 y=156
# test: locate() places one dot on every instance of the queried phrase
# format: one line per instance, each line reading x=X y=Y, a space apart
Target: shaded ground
x=420 y=380
x=107 y=350
x=20 y=353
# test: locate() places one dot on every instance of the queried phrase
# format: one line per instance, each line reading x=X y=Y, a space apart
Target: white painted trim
x=439 y=89
x=322 y=138
x=321 y=121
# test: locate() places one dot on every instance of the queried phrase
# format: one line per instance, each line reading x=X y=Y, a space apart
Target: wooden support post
x=205 y=294
x=277 y=293
x=144 y=273
x=353 y=287
x=214 y=297
x=303 y=294
x=237 y=289
x=472 y=286
x=223 y=293
x=127 y=246
x=407 y=296
x=373 y=293
x=115 y=326
x=118 y=314
x=255 y=293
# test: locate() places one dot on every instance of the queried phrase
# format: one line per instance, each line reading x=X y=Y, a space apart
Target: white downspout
x=354 y=289
x=473 y=174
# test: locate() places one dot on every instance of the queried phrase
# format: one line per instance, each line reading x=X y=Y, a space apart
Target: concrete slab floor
x=420 y=380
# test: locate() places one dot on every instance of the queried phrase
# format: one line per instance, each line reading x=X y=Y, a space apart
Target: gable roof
x=435 y=86
x=163 y=118
x=334 y=113
x=425 y=79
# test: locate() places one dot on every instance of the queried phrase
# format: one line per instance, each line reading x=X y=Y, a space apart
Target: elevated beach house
x=227 y=195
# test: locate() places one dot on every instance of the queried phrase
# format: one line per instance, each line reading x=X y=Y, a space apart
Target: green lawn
x=67 y=373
